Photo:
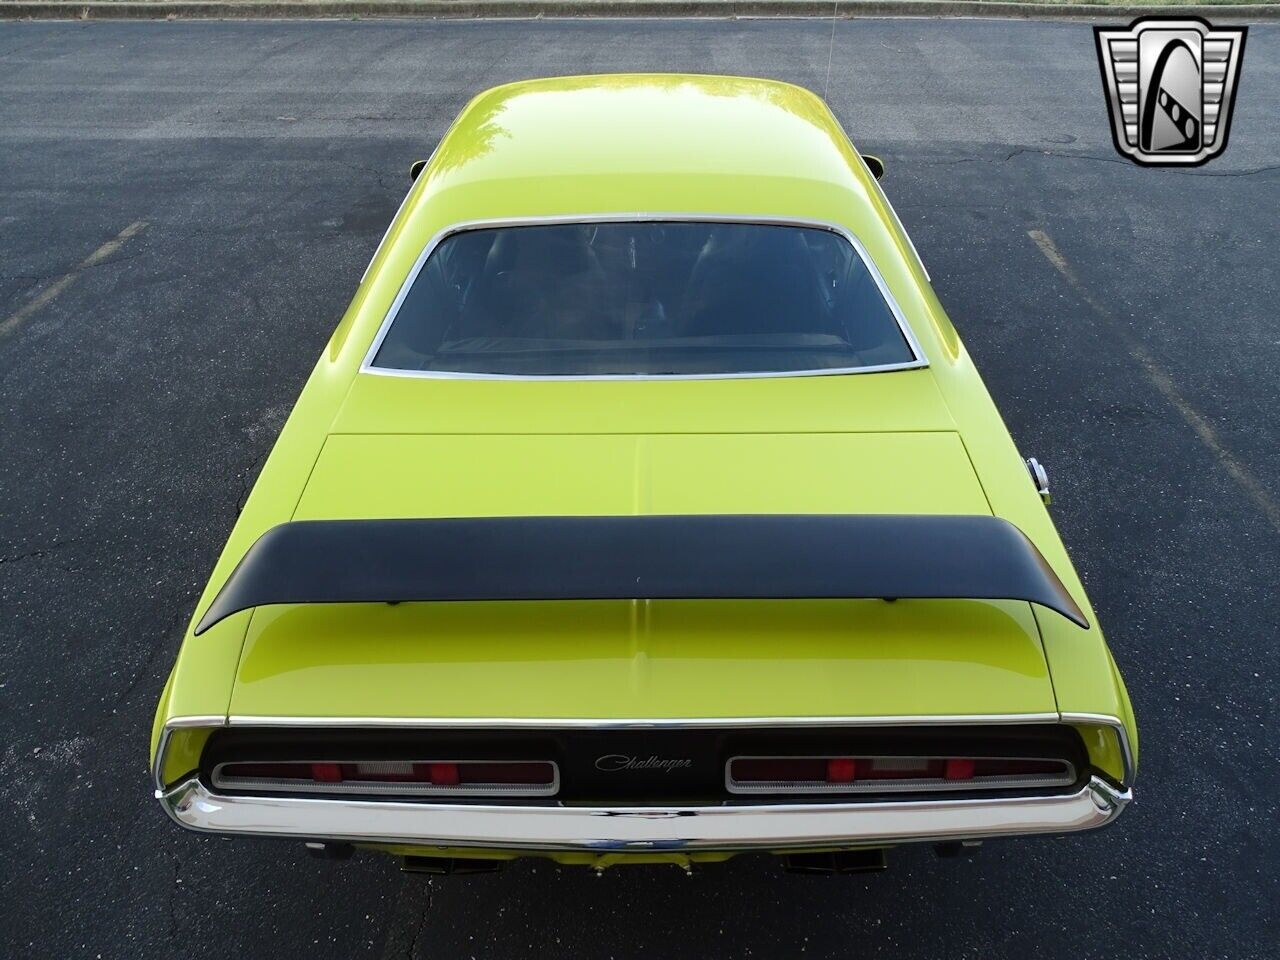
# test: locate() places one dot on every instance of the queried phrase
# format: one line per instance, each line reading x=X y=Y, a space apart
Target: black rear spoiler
x=734 y=557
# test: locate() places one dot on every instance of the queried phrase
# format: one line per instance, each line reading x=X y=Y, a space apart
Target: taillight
x=425 y=778
x=891 y=774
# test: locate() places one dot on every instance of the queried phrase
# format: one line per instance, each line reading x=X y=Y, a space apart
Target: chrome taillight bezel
x=1067 y=777
x=383 y=788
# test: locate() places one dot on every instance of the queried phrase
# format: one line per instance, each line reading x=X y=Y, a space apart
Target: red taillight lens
x=443 y=774
x=842 y=770
x=901 y=774
x=960 y=768
x=425 y=778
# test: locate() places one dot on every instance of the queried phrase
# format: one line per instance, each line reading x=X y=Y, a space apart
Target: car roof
x=645 y=143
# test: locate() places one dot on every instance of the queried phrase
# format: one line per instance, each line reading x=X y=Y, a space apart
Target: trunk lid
x=644 y=659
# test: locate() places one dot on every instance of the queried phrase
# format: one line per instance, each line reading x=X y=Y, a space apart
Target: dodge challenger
x=644 y=507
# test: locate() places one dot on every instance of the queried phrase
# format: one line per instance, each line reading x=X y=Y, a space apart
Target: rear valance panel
x=740 y=557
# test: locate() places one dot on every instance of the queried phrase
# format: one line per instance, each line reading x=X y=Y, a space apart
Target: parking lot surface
x=186 y=209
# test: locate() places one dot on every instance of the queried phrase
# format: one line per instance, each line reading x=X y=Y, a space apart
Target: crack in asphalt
x=42 y=552
x=402 y=942
x=173 y=626
x=370 y=171
x=97 y=264
x=412 y=948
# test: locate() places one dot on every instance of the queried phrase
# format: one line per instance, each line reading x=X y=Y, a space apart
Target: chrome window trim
x=875 y=183
x=913 y=344
x=905 y=785
x=637 y=829
x=389 y=788
x=903 y=230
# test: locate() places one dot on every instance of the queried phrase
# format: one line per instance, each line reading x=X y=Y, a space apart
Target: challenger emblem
x=1170 y=84
x=616 y=761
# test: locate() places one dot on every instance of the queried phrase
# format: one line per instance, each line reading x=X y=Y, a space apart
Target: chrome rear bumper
x=639 y=829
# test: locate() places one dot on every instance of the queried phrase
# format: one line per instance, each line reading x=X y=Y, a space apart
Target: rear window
x=642 y=299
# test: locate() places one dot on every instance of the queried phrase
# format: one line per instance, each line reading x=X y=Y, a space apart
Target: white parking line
x=64 y=281
x=1163 y=382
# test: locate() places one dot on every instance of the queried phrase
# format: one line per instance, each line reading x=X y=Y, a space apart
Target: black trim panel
x=697 y=776
x=732 y=557
x=699 y=755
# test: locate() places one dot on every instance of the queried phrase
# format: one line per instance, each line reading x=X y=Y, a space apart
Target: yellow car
x=644 y=507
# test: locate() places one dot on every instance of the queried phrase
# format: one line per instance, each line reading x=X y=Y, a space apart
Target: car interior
x=643 y=298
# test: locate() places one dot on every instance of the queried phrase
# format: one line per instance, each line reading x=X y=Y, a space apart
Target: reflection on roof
x=643 y=138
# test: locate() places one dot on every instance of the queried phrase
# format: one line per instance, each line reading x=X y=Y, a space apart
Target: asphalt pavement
x=185 y=209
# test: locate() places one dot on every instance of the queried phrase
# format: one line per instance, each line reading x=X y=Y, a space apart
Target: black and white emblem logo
x=1170 y=85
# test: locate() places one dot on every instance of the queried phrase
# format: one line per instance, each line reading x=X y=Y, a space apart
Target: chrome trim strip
x=366 y=365
x=205 y=720
x=1122 y=736
x=768 y=827
x=499 y=723
x=178 y=723
x=641 y=378
x=157 y=766
x=903 y=230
